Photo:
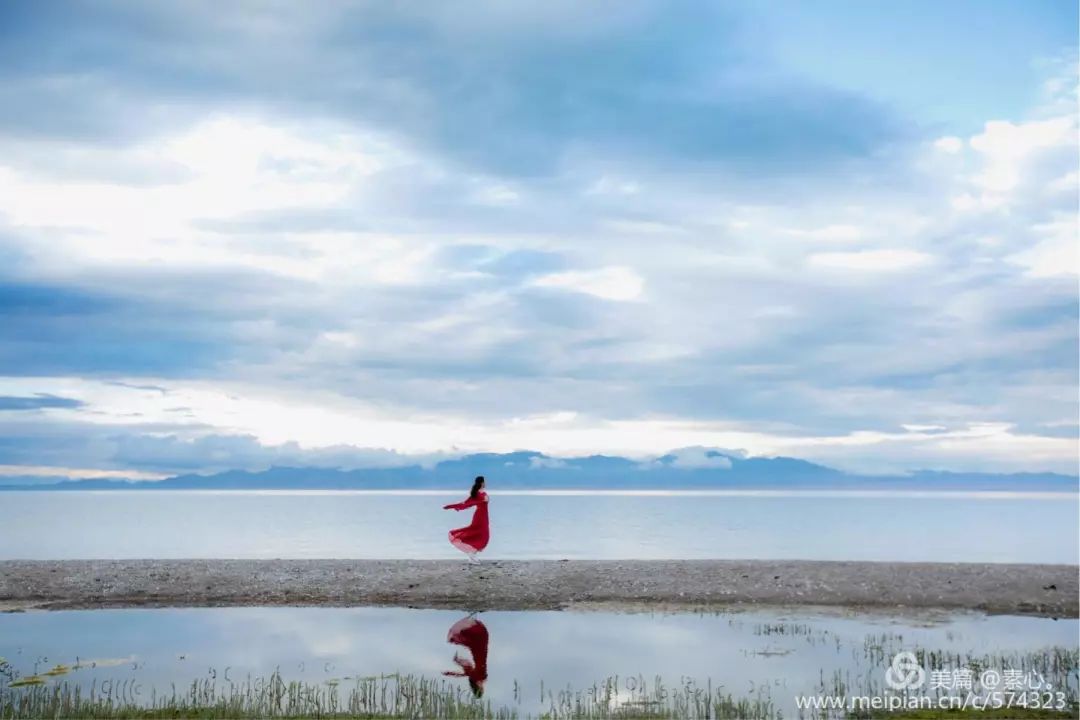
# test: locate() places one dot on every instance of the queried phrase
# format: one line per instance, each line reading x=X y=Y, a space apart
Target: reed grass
x=384 y=696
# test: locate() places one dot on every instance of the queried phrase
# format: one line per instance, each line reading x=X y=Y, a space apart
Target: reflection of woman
x=472 y=538
x=470 y=633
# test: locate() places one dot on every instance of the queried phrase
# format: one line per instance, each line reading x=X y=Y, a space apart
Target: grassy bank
x=388 y=696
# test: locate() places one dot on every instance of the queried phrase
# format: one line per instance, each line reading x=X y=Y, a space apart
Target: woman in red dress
x=470 y=633
x=472 y=538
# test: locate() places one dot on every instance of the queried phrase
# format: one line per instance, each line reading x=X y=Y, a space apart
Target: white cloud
x=949 y=144
x=1055 y=252
x=642 y=227
x=697 y=458
x=76 y=473
x=1067 y=183
x=870 y=261
x=915 y=427
x=276 y=419
x=232 y=166
x=609 y=283
x=832 y=233
x=497 y=195
x=537 y=461
x=1014 y=161
x=609 y=185
x=990 y=447
x=1009 y=148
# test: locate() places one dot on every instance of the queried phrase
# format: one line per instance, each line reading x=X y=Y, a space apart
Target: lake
x=813 y=525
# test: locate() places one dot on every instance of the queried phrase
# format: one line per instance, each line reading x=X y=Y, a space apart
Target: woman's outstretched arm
x=462 y=505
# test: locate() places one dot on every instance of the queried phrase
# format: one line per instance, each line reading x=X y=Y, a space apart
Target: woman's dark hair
x=476 y=486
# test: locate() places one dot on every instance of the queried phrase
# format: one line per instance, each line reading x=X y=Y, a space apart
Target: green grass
x=388 y=696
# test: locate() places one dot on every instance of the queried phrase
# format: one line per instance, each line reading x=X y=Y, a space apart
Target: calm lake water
x=912 y=526
x=530 y=656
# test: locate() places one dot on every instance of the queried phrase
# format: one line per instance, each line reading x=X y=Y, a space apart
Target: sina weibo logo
x=905 y=672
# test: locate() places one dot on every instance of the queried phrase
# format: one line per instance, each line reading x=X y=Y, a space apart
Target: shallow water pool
x=527 y=662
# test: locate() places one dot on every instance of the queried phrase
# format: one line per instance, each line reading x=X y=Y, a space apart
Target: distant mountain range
x=693 y=468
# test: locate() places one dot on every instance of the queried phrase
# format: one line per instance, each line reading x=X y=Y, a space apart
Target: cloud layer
x=259 y=233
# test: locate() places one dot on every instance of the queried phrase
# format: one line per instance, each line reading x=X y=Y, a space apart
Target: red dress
x=470 y=633
x=474 y=536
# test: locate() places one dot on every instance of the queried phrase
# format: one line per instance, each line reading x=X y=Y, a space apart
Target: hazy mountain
x=683 y=469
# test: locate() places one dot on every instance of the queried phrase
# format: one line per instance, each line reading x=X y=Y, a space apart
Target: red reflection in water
x=472 y=634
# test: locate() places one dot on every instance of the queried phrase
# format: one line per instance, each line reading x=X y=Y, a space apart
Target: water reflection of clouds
x=378 y=635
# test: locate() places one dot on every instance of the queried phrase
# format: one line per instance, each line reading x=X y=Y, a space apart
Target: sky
x=241 y=234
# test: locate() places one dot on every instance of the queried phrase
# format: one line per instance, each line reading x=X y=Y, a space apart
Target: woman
x=472 y=538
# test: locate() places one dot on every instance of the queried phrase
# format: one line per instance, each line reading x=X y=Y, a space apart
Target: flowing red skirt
x=474 y=536
x=472 y=634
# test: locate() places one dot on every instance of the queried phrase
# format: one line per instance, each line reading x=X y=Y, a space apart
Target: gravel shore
x=1046 y=590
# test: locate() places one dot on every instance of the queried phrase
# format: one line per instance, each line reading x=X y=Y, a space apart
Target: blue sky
x=354 y=233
